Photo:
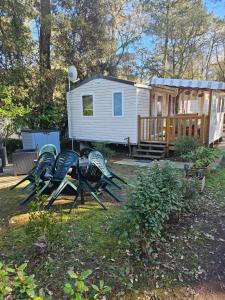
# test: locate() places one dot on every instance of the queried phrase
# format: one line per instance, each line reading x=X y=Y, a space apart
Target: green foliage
x=11 y=116
x=45 y=225
x=14 y=282
x=160 y=194
x=202 y=157
x=190 y=192
x=184 y=145
x=13 y=144
x=104 y=149
x=79 y=288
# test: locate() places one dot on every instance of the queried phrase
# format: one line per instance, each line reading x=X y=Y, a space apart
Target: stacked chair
x=49 y=148
x=96 y=178
x=55 y=182
x=44 y=165
x=51 y=174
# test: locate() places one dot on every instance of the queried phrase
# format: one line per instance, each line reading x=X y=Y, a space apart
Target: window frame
x=122 y=93
x=82 y=106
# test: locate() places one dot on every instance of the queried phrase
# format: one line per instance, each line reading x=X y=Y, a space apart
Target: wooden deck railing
x=168 y=129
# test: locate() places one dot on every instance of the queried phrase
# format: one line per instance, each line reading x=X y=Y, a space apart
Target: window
x=117 y=104
x=87 y=102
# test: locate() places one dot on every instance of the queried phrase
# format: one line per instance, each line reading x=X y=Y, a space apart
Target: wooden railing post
x=167 y=131
x=139 y=129
x=202 y=130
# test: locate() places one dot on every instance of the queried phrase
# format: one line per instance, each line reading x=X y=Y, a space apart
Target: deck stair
x=150 y=150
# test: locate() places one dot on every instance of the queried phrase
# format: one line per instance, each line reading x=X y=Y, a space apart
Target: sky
x=217 y=7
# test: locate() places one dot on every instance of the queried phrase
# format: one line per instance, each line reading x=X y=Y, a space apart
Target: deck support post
x=167 y=135
x=209 y=115
x=139 y=129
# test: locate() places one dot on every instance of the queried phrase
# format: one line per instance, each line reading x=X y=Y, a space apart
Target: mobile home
x=150 y=116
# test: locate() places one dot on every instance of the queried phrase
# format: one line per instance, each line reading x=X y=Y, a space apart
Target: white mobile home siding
x=143 y=102
x=102 y=126
x=216 y=119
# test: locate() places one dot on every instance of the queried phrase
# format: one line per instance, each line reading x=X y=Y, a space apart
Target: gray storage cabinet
x=35 y=139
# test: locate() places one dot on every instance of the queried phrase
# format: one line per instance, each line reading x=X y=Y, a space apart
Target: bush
x=15 y=284
x=184 y=145
x=202 y=157
x=104 y=148
x=79 y=288
x=45 y=225
x=157 y=196
x=160 y=195
x=12 y=145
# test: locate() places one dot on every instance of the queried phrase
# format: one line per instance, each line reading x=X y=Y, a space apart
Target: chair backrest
x=64 y=161
x=45 y=163
x=48 y=148
x=96 y=167
x=85 y=152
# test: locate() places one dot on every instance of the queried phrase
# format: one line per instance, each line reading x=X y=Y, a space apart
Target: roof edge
x=101 y=76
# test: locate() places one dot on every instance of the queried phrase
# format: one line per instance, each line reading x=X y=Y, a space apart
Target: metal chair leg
x=119 y=178
x=110 y=182
x=79 y=190
x=56 y=194
x=18 y=183
x=27 y=187
x=112 y=195
x=93 y=193
x=29 y=197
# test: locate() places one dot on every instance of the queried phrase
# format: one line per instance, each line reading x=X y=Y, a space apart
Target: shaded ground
x=189 y=264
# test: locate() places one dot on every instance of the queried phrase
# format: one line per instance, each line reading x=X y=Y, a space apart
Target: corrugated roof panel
x=201 y=84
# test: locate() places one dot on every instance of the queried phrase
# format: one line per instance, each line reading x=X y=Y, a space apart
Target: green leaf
x=85 y=274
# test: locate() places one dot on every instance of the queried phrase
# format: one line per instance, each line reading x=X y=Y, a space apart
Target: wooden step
x=150 y=150
x=147 y=156
x=153 y=142
x=152 y=146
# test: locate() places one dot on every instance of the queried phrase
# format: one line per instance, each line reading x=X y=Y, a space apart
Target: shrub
x=104 y=149
x=79 y=288
x=12 y=145
x=161 y=194
x=202 y=157
x=158 y=194
x=184 y=145
x=14 y=282
x=45 y=225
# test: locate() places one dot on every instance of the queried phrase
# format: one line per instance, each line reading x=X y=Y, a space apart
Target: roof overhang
x=188 y=84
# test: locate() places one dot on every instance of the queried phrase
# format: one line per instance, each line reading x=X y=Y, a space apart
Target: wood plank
x=190 y=127
x=209 y=114
x=139 y=129
x=196 y=127
x=150 y=129
x=178 y=127
x=142 y=126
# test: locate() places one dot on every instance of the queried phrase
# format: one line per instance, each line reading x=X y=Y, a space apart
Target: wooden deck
x=7 y=178
x=168 y=129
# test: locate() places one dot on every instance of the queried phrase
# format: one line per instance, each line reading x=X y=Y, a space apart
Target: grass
x=84 y=240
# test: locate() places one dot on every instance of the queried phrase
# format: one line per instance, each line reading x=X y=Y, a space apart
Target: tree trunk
x=166 y=41
x=45 y=35
x=46 y=84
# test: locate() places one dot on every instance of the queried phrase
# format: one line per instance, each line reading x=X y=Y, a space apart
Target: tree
x=12 y=116
x=17 y=49
x=45 y=35
x=178 y=27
